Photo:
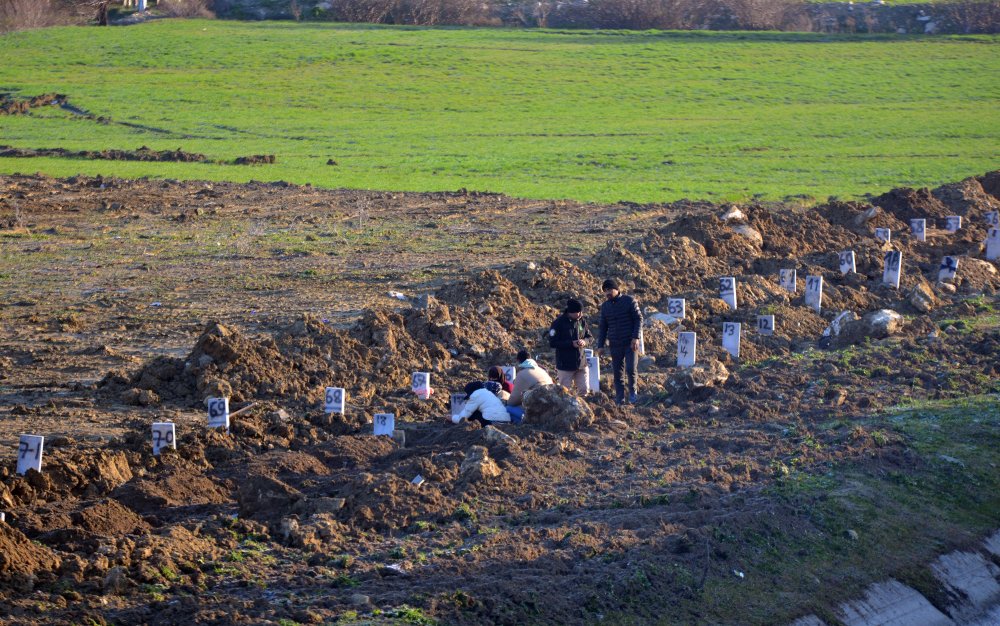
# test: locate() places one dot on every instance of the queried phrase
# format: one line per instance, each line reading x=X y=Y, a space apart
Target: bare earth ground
x=129 y=302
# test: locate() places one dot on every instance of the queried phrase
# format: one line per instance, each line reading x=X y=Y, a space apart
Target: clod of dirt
x=922 y=297
x=698 y=383
x=875 y=325
x=478 y=465
x=22 y=559
x=263 y=498
x=551 y=407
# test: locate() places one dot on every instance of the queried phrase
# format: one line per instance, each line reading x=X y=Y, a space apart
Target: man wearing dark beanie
x=620 y=325
x=569 y=335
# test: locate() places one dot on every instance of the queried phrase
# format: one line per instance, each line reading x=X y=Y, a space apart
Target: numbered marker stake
x=29 y=453
x=814 y=292
x=687 y=345
x=993 y=218
x=883 y=234
x=993 y=244
x=420 y=383
x=677 y=307
x=765 y=324
x=727 y=291
x=731 y=338
x=593 y=373
x=787 y=280
x=893 y=265
x=333 y=401
x=948 y=269
x=510 y=371
x=847 y=262
x=919 y=229
x=218 y=413
x=952 y=223
x=163 y=437
x=385 y=423
x=458 y=401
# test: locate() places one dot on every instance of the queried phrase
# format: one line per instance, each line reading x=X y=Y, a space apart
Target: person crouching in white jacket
x=483 y=406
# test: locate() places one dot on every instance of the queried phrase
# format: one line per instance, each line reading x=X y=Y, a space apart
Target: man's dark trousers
x=623 y=361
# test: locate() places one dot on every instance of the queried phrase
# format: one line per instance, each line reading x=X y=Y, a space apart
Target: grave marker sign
x=993 y=244
x=29 y=453
x=384 y=424
x=218 y=413
x=787 y=280
x=677 y=307
x=847 y=264
x=952 y=223
x=918 y=227
x=727 y=291
x=948 y=268
x=883 y=234
x=765 y=324
x=333 y=401
x=893 y=266
x=687 y=345
x=731 y=338
x=163 y=437
x=814 y=292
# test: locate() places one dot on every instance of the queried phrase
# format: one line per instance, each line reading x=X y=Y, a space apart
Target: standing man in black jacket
x=569 y=335
x=621 y=323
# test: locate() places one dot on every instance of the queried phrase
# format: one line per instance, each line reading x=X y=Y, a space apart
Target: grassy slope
x=594 y=116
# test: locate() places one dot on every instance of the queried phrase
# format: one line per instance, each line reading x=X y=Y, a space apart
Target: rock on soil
x=552 y=407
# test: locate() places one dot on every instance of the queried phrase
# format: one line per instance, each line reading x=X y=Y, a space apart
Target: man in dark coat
x=569 y=335
x=620 y=325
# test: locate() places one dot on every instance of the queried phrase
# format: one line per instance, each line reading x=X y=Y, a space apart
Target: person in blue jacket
x=620 y=325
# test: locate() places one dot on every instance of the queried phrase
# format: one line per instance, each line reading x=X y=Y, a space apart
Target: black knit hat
x=610 y=283
x=573 y=306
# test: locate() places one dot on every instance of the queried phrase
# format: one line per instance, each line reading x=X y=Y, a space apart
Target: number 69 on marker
x=218 y=413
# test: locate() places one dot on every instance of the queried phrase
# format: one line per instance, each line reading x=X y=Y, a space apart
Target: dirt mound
x=615 y=260
x=9 y=105
x=256 y=159
x=385 y=501
x=967 y=198
x=21 y=559
x=553 y=281
x=991 y=183
x=493 y=295
x=905 y=203
x=140 y=154
x=172 y=487
x=109 y=518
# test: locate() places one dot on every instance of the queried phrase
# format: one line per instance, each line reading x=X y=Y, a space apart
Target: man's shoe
x=632 y=398
x=619 y=401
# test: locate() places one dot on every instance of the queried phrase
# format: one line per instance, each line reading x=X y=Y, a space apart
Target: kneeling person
x=483 y=406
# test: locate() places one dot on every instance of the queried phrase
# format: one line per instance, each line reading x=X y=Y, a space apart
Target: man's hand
x=635 y=345
x=579 y=343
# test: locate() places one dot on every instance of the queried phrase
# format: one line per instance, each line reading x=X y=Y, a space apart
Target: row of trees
x=969 y=16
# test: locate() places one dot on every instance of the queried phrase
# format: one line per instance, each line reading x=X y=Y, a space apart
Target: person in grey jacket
x=620 y=325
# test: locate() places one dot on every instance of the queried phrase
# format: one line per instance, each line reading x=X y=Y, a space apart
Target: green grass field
x=596 y=116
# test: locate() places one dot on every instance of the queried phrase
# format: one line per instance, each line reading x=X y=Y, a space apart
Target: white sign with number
x=948 y=269
x=731 y=338
x=847 y=262
x=687 y=346
x=893 y=268
x=642 y=343
x=787 y=280
x=385 y=423
x=919 y=229
x=163 y=437
x=883 y=234
x=765 y=324
x=952 y=223
x=677 y=307
x=218 y=413
x=993 y=218
x=727 y=291
x=814 y=292
x=510 y=371
x=993 y=244
x=29 y=453
x=458 y=401
x=420 y=380
x=333 y=400
x=594 y=373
